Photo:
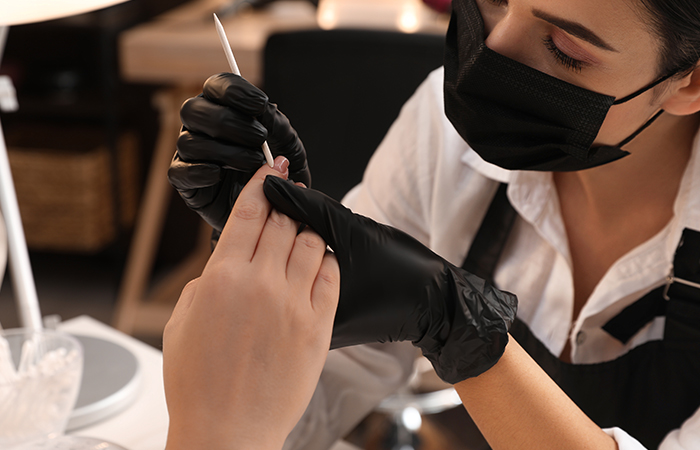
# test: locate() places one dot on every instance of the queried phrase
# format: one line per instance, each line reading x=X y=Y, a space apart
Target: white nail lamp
x=103 y=392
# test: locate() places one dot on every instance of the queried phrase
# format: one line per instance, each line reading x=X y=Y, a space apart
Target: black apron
x=652 y=389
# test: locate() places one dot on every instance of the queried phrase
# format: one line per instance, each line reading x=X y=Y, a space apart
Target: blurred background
x=99 y=96
x=77 y=118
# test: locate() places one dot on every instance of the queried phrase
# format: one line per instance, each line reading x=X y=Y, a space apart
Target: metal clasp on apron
x=672 y=279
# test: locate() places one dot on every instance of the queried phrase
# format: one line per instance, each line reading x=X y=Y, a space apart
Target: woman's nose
x=512 y=37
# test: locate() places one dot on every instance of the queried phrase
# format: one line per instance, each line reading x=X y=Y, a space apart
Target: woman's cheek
x=623 y=120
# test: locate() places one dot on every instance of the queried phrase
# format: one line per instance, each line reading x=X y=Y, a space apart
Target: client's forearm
x=517 y=406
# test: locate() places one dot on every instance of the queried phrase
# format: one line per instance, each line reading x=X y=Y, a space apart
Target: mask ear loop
x=642 y=128
x=644 y=89
x=636 y=94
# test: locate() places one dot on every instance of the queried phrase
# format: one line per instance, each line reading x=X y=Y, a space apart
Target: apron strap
x=683 y=310
x=491 y=238
x=684 y=282
x=683 y=286
x=631 y=319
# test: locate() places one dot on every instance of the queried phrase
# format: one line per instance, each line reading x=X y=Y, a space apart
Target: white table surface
x=144 y=424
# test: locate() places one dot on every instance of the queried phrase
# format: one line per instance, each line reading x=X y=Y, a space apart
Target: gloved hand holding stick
x=218 y=149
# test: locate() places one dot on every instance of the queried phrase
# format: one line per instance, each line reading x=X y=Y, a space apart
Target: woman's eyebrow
x=574 y=29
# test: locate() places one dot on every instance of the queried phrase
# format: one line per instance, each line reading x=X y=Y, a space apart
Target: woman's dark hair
x=677 y=24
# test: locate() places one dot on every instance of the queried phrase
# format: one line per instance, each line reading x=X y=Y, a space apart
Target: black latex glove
x=219 y=147
x=393 y=288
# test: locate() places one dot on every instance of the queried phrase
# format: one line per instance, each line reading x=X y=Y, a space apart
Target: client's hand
x=393 y=288
x=244 y=348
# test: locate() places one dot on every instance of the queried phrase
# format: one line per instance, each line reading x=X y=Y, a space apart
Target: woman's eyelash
x=564 y=59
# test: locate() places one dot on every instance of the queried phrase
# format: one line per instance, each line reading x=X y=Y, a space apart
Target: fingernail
x=281 y=164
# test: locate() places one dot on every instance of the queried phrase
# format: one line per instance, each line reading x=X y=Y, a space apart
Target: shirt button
x=580 y=338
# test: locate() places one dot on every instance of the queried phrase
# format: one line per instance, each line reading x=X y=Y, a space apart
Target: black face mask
x=517 y=117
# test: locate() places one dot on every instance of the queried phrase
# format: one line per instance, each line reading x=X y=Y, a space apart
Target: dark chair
x=342 y=89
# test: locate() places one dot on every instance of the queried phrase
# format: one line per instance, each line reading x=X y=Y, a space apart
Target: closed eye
x=562 y=58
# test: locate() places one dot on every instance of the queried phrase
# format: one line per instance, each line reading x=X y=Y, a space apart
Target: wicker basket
x=63 y=179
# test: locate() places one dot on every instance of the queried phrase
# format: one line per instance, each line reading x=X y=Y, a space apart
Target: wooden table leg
x=136 y=312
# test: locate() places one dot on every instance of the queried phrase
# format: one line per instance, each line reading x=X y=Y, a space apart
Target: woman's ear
x=686 y=98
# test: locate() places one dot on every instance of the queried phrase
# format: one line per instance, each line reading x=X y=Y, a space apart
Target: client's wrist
x=220 y=437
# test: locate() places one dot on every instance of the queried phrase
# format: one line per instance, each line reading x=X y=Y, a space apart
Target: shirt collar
x=473 y=160
x=532 y=194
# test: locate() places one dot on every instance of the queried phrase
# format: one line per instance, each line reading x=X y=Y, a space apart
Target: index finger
x=232 y=90
x=200 y=115
x=242 y=231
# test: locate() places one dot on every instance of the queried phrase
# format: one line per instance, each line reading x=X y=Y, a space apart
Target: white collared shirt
x=425 y=180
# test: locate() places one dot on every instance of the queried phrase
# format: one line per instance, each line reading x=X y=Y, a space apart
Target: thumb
x=184 y=176
x=325 y=216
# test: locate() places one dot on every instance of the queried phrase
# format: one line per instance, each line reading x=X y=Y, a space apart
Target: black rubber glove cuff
x=479 y=317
